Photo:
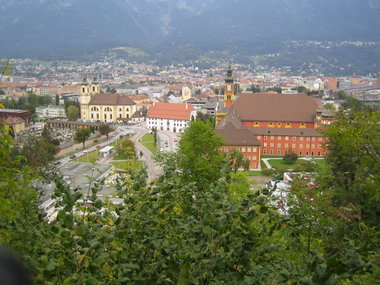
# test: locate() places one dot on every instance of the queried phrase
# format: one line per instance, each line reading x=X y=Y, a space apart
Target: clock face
x=228 y=87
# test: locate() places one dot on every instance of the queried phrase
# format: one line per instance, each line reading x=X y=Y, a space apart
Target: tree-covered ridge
x=199 y=223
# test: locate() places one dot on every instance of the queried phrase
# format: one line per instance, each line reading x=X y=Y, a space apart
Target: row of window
x=300 y=153
x=250 y=157
x=279 y=124
x=293 y=146
x=242 y=149
x=293 y=138
x=107 y=109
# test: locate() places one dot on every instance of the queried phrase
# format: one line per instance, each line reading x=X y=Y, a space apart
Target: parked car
x=56 y=163
x=73 y=156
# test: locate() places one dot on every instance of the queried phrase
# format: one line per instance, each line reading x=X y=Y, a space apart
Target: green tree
x=81 y=135
x=5 y=68
x=72 y=113
x=105 y=129
x=353 y=158
x=352 y=103
x=38 y=151
x=246 y=164
x=236 y=159
x=56 y=99
x=154 y=133
x=201 y=161
x=254 y=89
x=126 y=147
x=290 y=157
x=277 y=89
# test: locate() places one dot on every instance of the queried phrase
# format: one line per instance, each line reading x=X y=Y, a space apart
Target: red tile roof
x=110 y=99
x=234 y=132
x=275 y=107
x=14 y=120
x=172 y=111
x=141 y=96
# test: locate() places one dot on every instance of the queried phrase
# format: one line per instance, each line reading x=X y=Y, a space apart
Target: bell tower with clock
x=229 y=93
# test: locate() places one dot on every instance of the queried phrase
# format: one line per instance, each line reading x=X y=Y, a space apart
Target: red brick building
x=282 y=122
x=239 y=137
x=273 y=124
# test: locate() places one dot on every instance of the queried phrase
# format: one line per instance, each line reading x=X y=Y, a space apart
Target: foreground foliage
x=197 y=224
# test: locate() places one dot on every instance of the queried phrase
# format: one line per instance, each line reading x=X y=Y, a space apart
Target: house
x=173 y=117
x=51 y=111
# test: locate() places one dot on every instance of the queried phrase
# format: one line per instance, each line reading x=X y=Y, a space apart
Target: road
x=152 y=168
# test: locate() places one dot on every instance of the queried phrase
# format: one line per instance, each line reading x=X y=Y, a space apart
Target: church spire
x=229 y=95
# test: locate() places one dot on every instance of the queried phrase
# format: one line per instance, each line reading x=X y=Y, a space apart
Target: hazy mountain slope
x=66 y=28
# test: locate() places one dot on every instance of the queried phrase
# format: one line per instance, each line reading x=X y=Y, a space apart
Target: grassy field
x=253 y=173
x=148 y=142
x=280 y=163
x=120 y=156
x=90 y=157
x=136 y=165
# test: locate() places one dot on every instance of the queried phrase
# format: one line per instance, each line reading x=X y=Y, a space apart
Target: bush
x=290 y=157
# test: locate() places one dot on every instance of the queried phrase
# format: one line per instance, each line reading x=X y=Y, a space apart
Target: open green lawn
x=90 y=157
x=280 y=163
x=148 y=142
x=253 y=173
x=135 y=165
x=120 y=156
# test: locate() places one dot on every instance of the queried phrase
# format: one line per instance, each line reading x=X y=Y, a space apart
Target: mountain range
x=67 y=29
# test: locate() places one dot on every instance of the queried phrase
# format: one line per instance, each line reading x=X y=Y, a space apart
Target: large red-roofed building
x=172 y=117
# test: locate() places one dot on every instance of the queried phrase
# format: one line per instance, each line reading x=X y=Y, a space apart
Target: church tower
x=86 y=92
x=229 y=93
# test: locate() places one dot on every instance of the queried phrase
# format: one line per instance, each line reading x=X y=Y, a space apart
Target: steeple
x=229 y=95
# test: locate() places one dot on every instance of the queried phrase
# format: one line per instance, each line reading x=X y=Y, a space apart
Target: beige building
x=186 y=93
x=104 y=107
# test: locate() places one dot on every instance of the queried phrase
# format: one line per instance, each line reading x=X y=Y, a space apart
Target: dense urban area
x=117 y=172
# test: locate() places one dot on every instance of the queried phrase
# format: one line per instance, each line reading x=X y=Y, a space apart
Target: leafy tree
x=37 y=150
x=127 y=147
x=236 y=159
x=56 y=99
x=200 y=160
x=329 y=106
x=254 y=89
x=277 y=89
x=46 y=134
x=5 y=68
x=81 y=135
x=302 y=89
x=154 y=133
x=73 y=113
x=105 y=129
x=352 y=104
x=246 y=164
x=290 y=157
x=353 y=158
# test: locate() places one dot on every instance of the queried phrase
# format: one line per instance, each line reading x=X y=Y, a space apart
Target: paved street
x=152 y=168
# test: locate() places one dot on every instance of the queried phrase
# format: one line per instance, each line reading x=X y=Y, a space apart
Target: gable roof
x=137 y=97
x=110 y=99
x=275 y=107
x=174 y=111
x=14 y=120
x=234 y=132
